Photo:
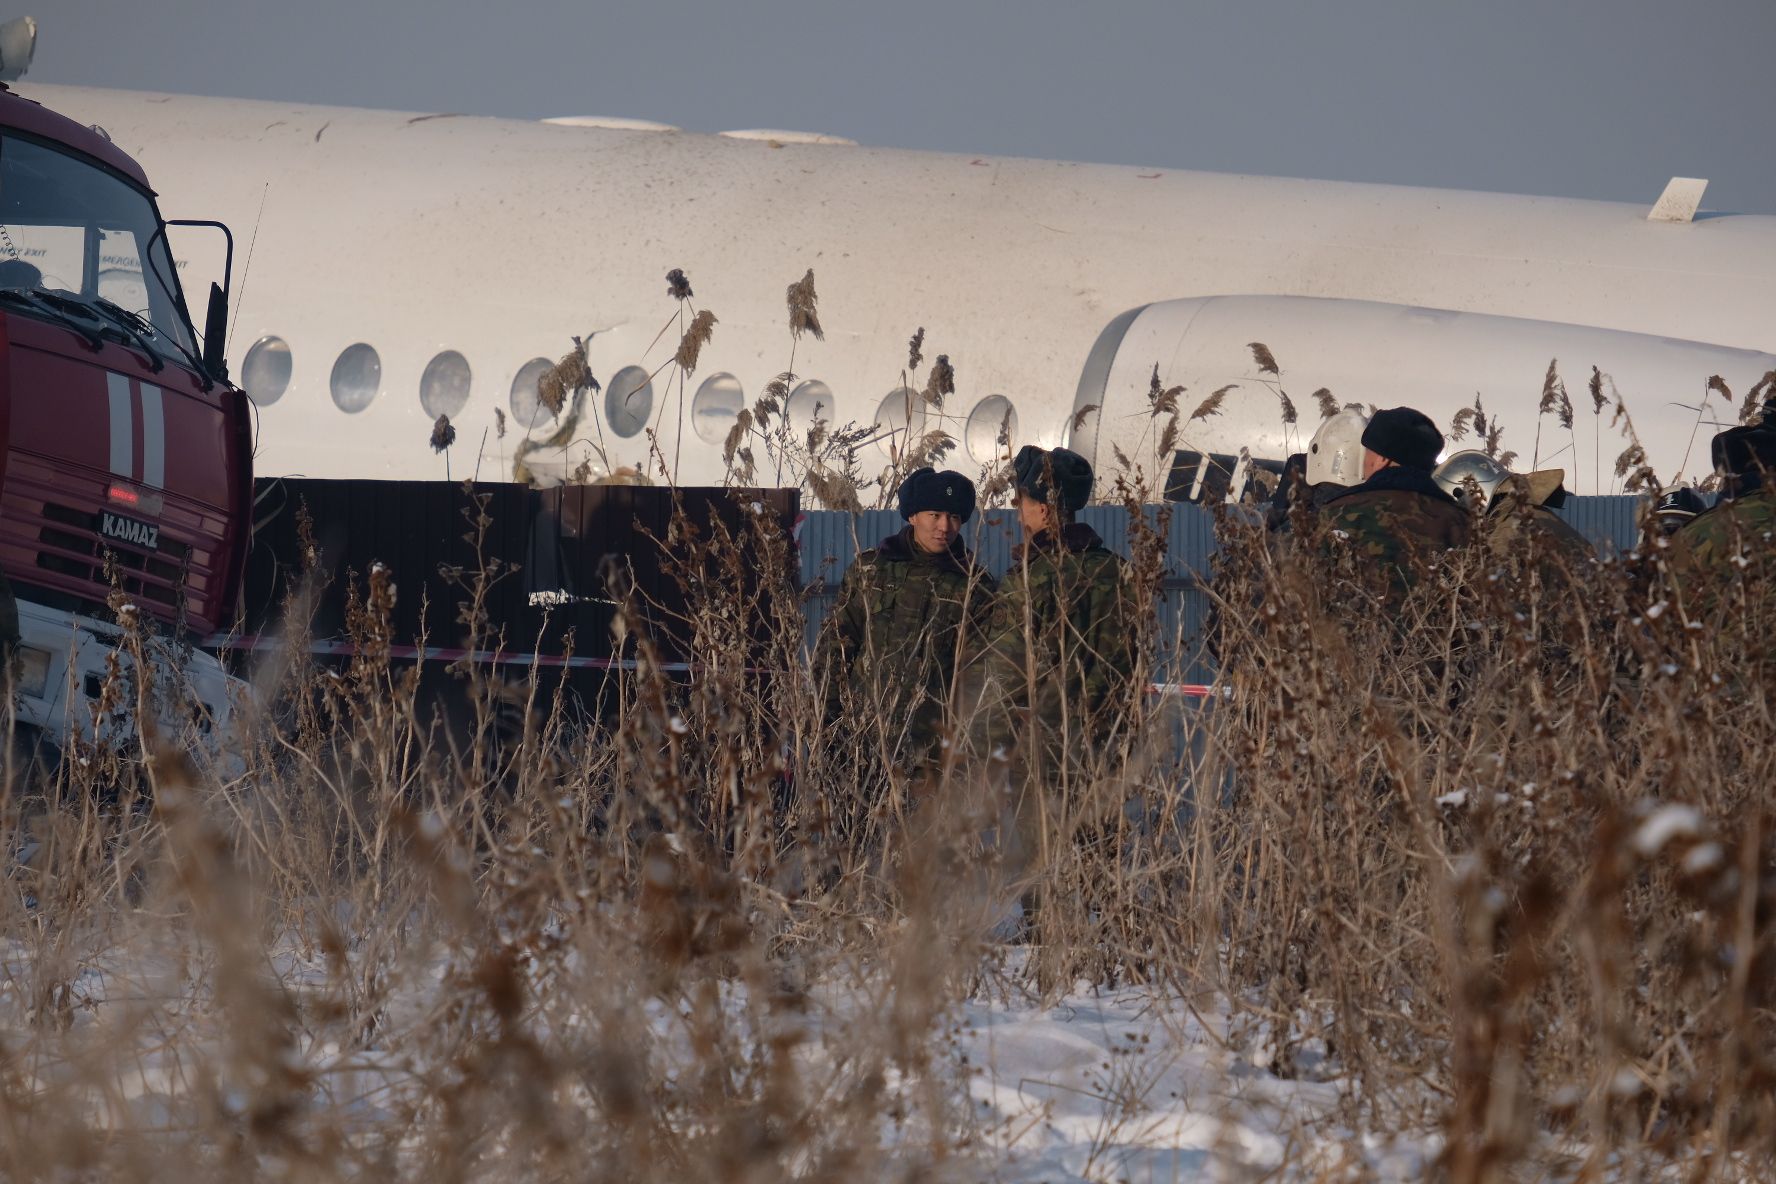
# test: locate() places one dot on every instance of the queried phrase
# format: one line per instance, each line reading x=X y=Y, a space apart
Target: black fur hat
x=1072 y=475
x=1405 y=436
x=1742 y=451
x=947 y=492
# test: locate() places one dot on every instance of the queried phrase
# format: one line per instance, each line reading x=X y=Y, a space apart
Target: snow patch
x=1704 y=857
x=1664 y=824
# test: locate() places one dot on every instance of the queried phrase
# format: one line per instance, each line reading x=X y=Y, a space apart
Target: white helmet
x=1470 y=464
x=1336 y=452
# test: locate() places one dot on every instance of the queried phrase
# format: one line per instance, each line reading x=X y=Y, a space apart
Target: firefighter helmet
x=1470 y=464
x=1336 y=453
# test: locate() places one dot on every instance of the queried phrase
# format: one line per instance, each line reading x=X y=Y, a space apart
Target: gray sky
x=1585 y=98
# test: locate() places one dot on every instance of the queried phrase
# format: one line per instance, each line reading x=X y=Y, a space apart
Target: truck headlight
x=33 y=671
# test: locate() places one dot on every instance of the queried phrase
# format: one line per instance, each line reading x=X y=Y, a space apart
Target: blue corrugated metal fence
x=829 y=539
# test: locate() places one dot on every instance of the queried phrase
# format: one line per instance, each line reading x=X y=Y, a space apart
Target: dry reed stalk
x=711 y=929
x=802 y=301
x=696 y=336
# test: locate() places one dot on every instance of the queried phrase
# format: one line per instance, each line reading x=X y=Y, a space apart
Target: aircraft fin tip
x=1680 y=201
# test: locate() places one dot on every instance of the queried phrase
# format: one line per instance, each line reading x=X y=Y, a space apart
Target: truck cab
x=125 y=457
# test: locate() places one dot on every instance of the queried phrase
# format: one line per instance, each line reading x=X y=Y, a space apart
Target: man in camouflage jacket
x=1398 y=519
x=1054 y=689
x=1060 y=646
x=1517 y=517
x=1536 y=565
x=1522 y=520
x=1722 y=564
x=905 y=611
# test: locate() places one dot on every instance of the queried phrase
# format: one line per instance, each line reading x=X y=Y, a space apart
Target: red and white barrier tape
x=1191 y=690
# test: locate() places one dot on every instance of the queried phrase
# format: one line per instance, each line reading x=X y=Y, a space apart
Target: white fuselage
x=501 y=239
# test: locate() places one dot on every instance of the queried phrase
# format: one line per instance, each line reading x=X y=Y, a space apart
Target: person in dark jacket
x=1290 y=491
x=1516 y=514
x=1398 y=519
x=1054 y=690
x=1532 y=556
x=1060 y=643
x=1722 y=564
x=905 y=611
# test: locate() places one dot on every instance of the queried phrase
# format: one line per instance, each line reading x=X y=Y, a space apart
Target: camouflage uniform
x=1395 y=522
x=1722 y=567
x=1053 y=692
x=1541 y=564
x=1515 y=526
x=1060 y=647
x=1279 y=515
x=888 y=652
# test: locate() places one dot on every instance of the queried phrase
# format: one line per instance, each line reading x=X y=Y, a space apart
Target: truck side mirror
x=215 y=338
x=215 y=358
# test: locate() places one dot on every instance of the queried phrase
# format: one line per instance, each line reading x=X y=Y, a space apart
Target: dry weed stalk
x=570 y=375
x=1453 y=867
x=802 y=299
x=1495 y=858
x=690 y=346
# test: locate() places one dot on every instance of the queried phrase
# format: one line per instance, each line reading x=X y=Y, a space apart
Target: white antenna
x=1679 y=202
x=18 y=41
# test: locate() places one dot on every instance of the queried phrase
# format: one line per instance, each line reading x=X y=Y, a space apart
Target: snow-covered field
x=1126 y=1085
x=1130 y=1085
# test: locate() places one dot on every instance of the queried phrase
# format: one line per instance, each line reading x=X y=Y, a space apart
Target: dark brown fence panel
x=549 y=556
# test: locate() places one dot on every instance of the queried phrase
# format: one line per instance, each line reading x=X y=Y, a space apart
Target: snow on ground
x=1129 y=1085
x=1126 y=1085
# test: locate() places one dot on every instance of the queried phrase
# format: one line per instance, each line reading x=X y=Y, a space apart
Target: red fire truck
x=125 y=454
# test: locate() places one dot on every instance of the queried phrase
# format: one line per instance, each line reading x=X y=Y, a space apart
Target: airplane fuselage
x=497 y=240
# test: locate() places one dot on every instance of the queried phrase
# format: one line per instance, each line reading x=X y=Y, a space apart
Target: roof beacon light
x=18 y=41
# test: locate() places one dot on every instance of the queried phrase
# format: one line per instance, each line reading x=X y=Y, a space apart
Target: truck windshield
x=73 y=229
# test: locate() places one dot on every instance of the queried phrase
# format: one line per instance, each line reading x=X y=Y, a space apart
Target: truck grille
x=73 y=547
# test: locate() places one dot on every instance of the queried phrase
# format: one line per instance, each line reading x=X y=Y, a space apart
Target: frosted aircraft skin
x=500 y=239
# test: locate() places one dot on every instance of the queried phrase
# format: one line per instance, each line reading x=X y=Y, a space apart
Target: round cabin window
x=899 y=419
x=810 y=401
x=265 y=374
x=992 y=426
x=356 y=378
x=628 y=401
x=527 y=409
x=715 y=406
x=444 y=387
